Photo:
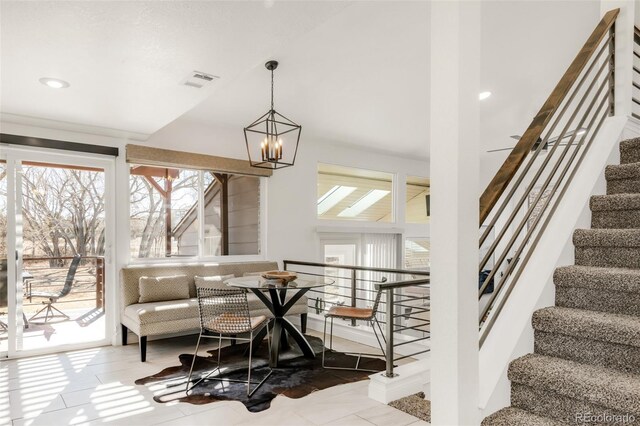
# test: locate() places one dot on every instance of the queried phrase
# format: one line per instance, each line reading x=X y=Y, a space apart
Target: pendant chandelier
x=272 y=140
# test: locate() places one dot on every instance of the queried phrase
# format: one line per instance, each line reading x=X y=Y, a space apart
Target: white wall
x=526 y=48
x=291 y=192
x=292 y=212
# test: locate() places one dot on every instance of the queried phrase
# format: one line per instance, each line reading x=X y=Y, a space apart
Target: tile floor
x=86 y=325
x=97 y=386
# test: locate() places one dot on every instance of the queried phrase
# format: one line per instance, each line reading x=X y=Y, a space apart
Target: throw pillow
x=158 y=289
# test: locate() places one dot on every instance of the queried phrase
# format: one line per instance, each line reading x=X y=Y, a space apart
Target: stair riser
x=623 y=186
x=615 y=302
x=587 y=351
x=616 y=257
x=630 y=155
x=626 y=281
x=615 y=219
x=560 y=407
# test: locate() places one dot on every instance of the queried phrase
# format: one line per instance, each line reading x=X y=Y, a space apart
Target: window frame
x=359 y=224
x=200 y=257
x=406 y=184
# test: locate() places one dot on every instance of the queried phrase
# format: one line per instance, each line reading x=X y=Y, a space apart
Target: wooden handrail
x=509 y=168
x=60 y=258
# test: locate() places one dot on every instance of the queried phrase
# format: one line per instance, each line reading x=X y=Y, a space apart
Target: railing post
x=99 y=282
x=389 y=332
x=353 y=293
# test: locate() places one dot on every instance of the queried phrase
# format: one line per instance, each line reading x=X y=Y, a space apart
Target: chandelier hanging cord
x=272 y=89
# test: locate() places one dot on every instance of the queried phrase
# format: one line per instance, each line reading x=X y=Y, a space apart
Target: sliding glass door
x=59 y=225
x=4 y=325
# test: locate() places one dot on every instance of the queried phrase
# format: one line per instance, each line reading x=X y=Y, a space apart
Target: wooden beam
x=151 y=171
x=157 y=186
x=62 y=166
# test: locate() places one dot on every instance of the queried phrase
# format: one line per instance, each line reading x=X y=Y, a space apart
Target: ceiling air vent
x=199 y=79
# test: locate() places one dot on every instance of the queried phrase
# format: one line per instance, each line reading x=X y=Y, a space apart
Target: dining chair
x=354 y=314
x=53 y=297
x=224 y=313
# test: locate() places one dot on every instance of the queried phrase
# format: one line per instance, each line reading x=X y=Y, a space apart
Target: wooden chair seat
x=349 y=312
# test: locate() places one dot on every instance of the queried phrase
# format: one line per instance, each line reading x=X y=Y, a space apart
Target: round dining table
x=274 y=296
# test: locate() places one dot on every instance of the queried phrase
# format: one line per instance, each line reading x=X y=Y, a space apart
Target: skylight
x=368 y=200
x=333 y=197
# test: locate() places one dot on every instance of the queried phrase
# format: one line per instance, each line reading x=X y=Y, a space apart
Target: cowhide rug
x=295 y=377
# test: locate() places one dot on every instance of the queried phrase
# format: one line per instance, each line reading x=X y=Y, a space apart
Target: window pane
x=417 y=253
x=242 y=208
x=418 y=200
x=164 y=209
x=339 y=292
x=345 y=193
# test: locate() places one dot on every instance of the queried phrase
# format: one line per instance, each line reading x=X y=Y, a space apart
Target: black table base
x=280 y=326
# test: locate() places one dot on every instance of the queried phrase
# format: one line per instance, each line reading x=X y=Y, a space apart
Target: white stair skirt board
x=411 y=378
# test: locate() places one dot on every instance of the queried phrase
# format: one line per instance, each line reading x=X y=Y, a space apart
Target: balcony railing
x=47 y=274
x=404 y=308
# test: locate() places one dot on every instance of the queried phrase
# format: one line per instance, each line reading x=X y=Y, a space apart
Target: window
x=166 y=212
x=418 y=200
x=368 y=249
x=345 y=193
x=416 y=253
x=242 y=198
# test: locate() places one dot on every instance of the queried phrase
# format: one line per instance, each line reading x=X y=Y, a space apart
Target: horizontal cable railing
x=47 y=274
x=518 y=204
x=635 y=92
x=404 y=307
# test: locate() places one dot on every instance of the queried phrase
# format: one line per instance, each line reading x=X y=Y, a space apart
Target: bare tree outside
x=148 y=210
x=63 y=212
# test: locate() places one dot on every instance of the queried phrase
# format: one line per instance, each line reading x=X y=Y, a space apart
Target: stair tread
x=622 y=171
x=511 y=416
x=606 y=237
x=597 y=385
x=630 y=144
x=599 y=278
x=602 y=326
x=615 y=202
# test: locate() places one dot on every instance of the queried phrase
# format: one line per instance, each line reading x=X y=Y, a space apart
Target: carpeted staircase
x=586 y=363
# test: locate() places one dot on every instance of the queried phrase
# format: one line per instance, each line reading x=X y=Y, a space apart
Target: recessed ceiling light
x=484 y=95
x=54 y=83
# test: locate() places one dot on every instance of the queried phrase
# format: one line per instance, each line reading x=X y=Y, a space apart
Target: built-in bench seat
x=181 y=315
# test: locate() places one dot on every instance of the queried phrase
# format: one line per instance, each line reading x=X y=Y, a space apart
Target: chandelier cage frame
x=272 y=125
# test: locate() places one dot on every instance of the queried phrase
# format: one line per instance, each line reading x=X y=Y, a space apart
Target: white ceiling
x=350 y=72
x=125 y=60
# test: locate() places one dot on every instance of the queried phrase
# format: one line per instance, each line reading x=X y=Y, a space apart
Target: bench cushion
x=155 y=318
x=168 y=310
